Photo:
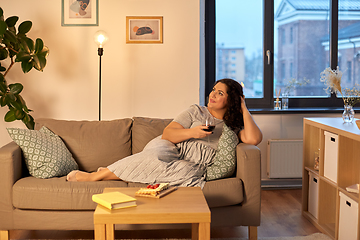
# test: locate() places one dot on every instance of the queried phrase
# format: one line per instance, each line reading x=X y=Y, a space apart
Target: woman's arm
x=175 y=132
x=251 y=133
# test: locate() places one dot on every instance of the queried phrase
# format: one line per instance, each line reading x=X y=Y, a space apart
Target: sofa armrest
x=249 y=171
x=11 y=171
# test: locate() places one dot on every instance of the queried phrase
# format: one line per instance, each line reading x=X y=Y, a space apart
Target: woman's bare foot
x=100 y=169
x=71 y=177
x=79 y=176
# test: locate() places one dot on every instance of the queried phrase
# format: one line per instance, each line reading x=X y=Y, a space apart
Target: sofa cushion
x=45 y=153
x=145 y=129
x=93 y=143
x=224 y=162
x=58 y=194
x=224 y=192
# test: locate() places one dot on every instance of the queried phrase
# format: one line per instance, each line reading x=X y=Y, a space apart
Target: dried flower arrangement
x=332 y=79
x=293 y=83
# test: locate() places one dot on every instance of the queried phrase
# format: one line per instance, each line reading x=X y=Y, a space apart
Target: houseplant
x=16 y=47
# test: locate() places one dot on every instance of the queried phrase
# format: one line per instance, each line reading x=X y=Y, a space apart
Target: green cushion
x=224 y=162
x=45 y=153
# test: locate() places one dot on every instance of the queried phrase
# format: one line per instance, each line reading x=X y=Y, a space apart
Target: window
x=261 y=32
x=283 y=37
x=348 y=72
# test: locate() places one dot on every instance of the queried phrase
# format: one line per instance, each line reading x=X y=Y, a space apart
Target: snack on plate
x=153 y=190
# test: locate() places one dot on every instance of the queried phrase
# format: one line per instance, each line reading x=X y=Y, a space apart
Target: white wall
x=154 y=80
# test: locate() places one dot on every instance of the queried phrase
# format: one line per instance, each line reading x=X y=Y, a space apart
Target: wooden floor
x=280 y=216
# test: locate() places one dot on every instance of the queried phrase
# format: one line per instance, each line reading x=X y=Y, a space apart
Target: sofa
x=29 y=203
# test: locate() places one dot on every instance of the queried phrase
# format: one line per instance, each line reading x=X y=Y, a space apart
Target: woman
x=180 y=155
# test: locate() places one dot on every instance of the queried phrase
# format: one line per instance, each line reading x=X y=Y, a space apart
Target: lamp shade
x=100 y=38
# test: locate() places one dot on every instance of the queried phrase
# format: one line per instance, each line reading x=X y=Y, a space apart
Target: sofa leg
x=4 y=235
x=252 y=230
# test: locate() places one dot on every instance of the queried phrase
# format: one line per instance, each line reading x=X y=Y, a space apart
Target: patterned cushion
x=45 y=153
x=224 y=162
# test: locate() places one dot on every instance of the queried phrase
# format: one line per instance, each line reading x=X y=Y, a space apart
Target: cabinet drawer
x=313 y=194
x=331 y=156
x=348 y=218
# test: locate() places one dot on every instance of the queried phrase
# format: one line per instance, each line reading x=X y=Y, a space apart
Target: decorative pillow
x=45 y=153
x=224 y=162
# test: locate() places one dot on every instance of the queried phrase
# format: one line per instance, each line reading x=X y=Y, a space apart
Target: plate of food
x=155 y=190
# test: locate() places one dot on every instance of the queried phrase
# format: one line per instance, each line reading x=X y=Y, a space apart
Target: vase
x=285 y=101
x=348 y=114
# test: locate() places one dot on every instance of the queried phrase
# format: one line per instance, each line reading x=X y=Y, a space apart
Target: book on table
x=114 y=200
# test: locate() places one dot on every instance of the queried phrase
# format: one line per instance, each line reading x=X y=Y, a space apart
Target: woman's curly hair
x=233 y=116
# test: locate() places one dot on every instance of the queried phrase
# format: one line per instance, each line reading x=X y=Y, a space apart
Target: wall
x=154 y=80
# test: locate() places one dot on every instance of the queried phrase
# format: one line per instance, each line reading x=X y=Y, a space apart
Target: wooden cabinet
x=345 y=162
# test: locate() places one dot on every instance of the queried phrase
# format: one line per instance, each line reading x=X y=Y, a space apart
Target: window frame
x=330 y=102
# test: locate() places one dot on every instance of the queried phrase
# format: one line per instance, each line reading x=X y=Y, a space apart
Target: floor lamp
x=100 y=38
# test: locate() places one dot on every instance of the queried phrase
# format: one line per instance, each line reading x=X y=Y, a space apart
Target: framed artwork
x=79 y=12
x=144 y=29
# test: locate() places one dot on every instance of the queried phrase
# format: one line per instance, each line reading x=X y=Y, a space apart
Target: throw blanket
x=182 y=164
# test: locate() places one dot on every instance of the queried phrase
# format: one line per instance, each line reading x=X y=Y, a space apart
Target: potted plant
x=16 y=47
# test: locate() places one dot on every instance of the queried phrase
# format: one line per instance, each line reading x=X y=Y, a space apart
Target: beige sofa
x=55 y=204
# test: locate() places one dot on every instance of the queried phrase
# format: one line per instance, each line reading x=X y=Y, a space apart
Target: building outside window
x=301 y=44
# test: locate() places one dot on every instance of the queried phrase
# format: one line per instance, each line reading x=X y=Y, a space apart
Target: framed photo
x=79 y=12
x=144 y=29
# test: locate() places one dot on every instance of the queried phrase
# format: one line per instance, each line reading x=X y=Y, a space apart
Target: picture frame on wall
x=79 y=12
x=143 y=29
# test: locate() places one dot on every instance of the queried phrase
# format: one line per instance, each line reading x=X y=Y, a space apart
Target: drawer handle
x=348 y=203
x=333 y=139
x=315 y=180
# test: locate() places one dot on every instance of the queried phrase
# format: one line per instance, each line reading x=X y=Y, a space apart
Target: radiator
x=284 y=158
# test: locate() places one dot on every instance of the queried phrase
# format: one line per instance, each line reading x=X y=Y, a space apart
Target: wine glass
x=210 y=123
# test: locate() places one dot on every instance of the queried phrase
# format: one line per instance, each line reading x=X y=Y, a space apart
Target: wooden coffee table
x=185 y=205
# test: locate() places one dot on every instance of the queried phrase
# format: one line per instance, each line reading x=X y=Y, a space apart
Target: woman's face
x=218 y=96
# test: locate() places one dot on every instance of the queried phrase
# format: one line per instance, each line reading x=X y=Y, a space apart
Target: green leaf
x=3 y=101
x=29 y=43
x=25 y=27
x=39 y=62
x=3 y=54
x=16 y=105
x=23 y=56
x=11 y=21
x=19 y=114
x=44 y=52
x=10 y=97
x=26 y=66
x=3 y=87
x=10 y=116
x=16 y=88
x=2 y=69
x=2 y=28
x=21 y=101
x=1 y=12
x=11 y=37
x=39 y=45
x=36 y=62
x=28 y=120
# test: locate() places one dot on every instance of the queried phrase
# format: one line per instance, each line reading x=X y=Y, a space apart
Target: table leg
x=99 y=232
x=200 y=231
x=110 y=235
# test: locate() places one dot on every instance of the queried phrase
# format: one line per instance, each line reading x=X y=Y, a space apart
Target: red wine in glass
x=210 y=128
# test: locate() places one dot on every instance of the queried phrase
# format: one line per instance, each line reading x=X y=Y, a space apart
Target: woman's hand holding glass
x=200 y=131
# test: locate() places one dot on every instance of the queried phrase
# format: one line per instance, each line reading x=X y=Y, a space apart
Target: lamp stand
x=100 y=53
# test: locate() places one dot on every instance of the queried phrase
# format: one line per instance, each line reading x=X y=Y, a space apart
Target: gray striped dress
x=182 y=164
